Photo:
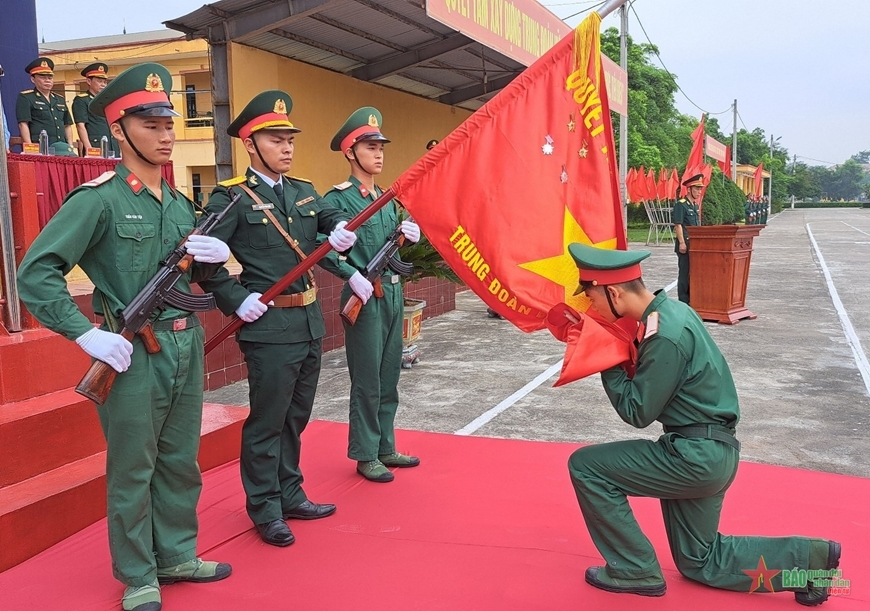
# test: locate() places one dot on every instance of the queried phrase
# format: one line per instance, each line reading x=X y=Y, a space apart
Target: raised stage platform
x=483 y=524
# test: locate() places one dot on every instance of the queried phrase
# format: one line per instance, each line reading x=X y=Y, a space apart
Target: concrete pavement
x=800 y=367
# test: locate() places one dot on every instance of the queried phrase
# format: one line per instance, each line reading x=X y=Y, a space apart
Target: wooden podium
x=719 y=257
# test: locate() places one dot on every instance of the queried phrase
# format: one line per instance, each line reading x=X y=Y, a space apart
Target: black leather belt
x=706 y=431
x=177 y=324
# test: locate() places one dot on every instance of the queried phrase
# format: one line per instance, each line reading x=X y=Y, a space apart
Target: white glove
x=207 y=249
x=341 y=239
x=111 y=348
x=361 y=287
x=411 y=231
x=252 y=308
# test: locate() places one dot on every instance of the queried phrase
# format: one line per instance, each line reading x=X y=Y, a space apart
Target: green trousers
x=683 y=276
x=374 y=360
x=690 y=476
x=283 y=381
x=152 y=422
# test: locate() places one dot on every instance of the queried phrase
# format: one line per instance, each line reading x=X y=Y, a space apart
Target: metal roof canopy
x=389 y=42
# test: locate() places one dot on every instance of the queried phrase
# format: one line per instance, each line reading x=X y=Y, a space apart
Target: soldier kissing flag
x=529 y=173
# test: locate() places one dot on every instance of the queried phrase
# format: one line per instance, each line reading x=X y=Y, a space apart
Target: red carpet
x=482 y=524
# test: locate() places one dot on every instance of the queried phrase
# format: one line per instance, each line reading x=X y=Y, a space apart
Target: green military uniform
x=374 y=343
x=687 y=214
x=40 y=112
x=118 y=232
x=683 y=382
x=96 y=126
x=282 y=348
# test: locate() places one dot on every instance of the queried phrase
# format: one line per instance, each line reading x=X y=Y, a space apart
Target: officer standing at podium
x=686 y=213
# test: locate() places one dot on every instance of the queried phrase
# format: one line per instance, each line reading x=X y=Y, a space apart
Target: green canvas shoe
x=374 y=471
x=815 y=595
x=196 y=571
x=142 y=598
x=399 y=460
x=645 y=586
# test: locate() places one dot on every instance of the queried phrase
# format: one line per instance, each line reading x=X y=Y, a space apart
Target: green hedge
x=723 y=202
x=827 y=204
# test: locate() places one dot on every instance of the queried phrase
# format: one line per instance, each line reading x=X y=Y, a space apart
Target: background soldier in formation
x=270 y=231
x=686 y=213
x=40 y=109
x=119 y=227
x=683 y=382
x=374 y=343
x=90 y=127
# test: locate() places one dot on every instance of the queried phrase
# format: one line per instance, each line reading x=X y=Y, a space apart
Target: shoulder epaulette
x=102 y=178
x=682 y=200
x=237 y=180
x=83 y=95
x=345 y=185
x=27 y=91
x=300 y=179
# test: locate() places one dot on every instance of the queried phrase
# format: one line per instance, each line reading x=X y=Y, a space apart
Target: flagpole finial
x=611 y=6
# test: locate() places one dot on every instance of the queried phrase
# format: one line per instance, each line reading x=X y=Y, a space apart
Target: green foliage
x=427 y=262
x=723 y=201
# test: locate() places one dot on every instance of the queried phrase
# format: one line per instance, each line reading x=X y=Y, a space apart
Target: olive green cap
x=268 y=110
x=363 y=124
x=40 y=65
x=97 y=69
x=141 y=90
x=606 y=266
x=694 y=181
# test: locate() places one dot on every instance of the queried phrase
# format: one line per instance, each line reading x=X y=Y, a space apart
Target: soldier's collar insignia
x=280 y=107
x=153 y=83
x=373 y=121
x=253 y=179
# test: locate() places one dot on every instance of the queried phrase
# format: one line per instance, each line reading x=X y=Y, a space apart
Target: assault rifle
x=383 y=260
x=159 y=292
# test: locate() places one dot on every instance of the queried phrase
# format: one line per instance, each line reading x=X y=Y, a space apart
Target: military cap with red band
x=98 y=69
x=40 y=65
x=141 y=90
x=363 y=124
x=602 y=266
x=694 y=181
x=268 y=110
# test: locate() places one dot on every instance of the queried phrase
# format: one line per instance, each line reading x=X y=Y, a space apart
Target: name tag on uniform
x=652 y=325
x=302 y=202
x=265 y=206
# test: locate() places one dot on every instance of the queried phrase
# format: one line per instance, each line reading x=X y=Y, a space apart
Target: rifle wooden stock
x=97 y=382
x=351 y=309
x=294 y=274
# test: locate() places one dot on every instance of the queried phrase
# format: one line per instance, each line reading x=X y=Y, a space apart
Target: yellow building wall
x=322 y=101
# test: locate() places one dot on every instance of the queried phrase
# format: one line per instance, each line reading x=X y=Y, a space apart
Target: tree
x=804 y=183
x=862 y=157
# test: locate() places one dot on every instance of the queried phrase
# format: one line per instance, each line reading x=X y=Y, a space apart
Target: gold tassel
x=587 y=42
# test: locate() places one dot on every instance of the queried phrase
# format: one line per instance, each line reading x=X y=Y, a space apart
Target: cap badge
x=373 y=121
x=100 y=69
x=153 y=83
x=43 y=64
x=280 y=107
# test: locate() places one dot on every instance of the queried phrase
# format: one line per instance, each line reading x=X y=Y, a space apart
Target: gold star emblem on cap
x=280 y=107
x=44 y=64
x=373 y=121
x=153 y=83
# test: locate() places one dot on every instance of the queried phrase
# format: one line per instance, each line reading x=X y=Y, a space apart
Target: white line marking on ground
x=488 y=415
x=848 y=329
x=855 y=228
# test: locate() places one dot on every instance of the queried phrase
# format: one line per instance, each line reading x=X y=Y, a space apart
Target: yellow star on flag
x=561 y=269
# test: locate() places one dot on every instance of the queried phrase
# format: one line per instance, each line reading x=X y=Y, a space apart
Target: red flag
x=673 y=184
x=529 y=173
x=725 y=166
x=759 y=181
x=640 y=185
x=651 y=184
x=696 y=155
x=662 y=186
x=629 y=186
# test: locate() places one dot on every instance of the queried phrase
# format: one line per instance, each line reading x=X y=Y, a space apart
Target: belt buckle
x=394 y=279
x=309 y=296
x=179 y=324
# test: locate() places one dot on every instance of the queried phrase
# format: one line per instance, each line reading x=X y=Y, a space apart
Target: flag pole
x=294 y=274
